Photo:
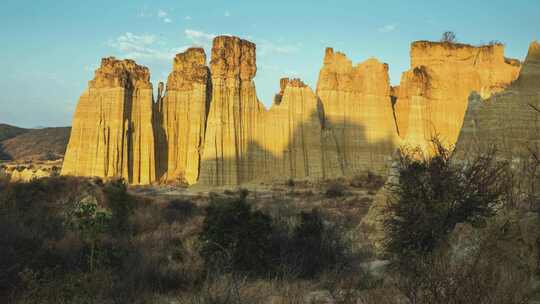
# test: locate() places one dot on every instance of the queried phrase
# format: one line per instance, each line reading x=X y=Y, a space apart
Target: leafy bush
x=178 y=210
x=317 y=246
x=121 y=205
x=236 y=238
x=432 y=195
x=335 y=189
x=448 y=37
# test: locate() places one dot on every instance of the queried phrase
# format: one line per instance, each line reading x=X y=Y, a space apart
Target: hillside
x=7 y=131
x=33 y=144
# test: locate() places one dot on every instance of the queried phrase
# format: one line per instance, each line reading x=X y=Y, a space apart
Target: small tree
x=235 y=237
x=434 y=194
x=92 y=222
x=448 y=37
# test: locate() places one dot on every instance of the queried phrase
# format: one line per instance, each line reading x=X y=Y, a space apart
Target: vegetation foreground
x=438 y=231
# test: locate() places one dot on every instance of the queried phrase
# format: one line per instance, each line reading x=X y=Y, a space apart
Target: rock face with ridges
x=182 y=117
x=208 y=126
x=112 y=133
x=432 y=96
x=297 y=144
x=358 y=109
x=230 y=155
x=509 y=120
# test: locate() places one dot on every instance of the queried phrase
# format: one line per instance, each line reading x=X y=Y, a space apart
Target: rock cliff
x=297 y=143
x=208 y=126
x=235 y=116
x=509 y=120
x=432 y=96
x=358 y=108
x=112 y=133
x=182 y=117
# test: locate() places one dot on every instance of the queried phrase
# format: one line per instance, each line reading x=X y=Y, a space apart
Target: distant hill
x=7 y=131
x=33 y=144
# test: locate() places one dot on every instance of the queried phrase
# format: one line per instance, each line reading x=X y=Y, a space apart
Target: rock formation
x=182 y=117
x=112 y=133
x=358 y=109
x=209 y=127
x=235 y=117
x=295 y=139
x=509 y=120
x=432 y=96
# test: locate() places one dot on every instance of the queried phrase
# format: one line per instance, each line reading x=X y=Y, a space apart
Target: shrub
x=370 y=181
x=434 y=194
x=121 y=205
x=178 y=210
x=236 y=238
x=335 y=189
x=448 y=37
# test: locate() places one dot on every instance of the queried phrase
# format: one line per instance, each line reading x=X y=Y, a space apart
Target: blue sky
x=49 y=49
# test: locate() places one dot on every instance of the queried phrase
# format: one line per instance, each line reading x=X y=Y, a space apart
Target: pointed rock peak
x=233 y=57
x=120 y=73
x=534 y=52
x=192 y=57
x=336 y=61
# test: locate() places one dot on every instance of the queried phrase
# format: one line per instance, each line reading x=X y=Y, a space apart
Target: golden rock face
x=112 y=133
x=508 y=120
x=207 y=125
x=181 y=118
x=432 y=96
x=358 y=111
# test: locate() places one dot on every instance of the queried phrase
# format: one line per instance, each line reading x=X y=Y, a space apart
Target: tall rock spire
x=358 y=109
x=112 y=134
x=182 y=114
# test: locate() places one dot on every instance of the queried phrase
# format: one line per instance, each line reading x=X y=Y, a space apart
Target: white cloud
x=266 y=47
x=227 y=14
x=163 y=16
x=199 y=38
x=161 y=13
x=144 y=46
x=388 y=28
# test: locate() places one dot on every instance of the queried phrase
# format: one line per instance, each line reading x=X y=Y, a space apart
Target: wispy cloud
x=388 y=28
x=163 y=16
x=144 y=46
x=199 y=38
x=266 y=47
x=188 y=18
x=227 y=14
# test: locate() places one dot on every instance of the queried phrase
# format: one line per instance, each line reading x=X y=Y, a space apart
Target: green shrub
x=236 y=238
x=335 y=189
x=178 y=210
x=434 y=194
x=121 y=205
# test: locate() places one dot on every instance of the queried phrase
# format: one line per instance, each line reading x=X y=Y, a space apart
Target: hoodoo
x=235 y=115
x=509 y=120
x=358 y=110
x=112 y=133
x=182 y=114
x=209 y=127
x=432 y=96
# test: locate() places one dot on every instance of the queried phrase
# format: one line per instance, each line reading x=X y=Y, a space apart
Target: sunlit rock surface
x=112 y=134
x=432 y=96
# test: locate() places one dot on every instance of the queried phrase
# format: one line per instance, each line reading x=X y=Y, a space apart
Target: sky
x=50 y=49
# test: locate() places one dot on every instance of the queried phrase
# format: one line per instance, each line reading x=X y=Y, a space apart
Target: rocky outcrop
x=358 y=109
x=182 y=117
x=295 y=139
x=432 y=96
x=235 y=118
x=208 y=126
x=509 y=120
x=112 y=133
